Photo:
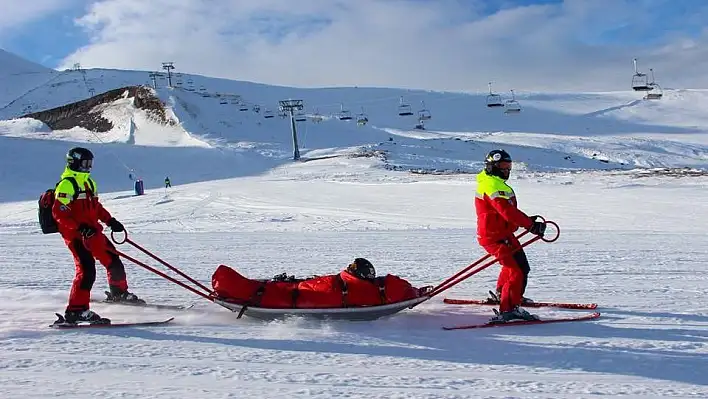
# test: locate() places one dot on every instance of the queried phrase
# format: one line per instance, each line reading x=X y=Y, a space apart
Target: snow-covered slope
x=631 y=241
x=218 y=127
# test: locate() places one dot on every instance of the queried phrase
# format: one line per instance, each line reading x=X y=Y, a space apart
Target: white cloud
x=15 y=13
x=444 y=44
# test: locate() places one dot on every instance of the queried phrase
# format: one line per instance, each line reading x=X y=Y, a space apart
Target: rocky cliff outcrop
x=88 y=113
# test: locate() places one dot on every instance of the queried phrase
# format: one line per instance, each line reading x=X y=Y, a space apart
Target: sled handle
x=163 y=262
x=125 y=237
x=552 y=223
x=558 y=232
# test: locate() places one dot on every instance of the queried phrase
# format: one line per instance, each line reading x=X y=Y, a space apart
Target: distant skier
x=167 y=182
x=497 y=219
x=77 y=212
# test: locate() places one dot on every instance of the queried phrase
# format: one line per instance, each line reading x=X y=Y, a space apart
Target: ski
x=149 y=305
x=491 y=302
x=62 y=324
x=589 y=316
x=145 y=305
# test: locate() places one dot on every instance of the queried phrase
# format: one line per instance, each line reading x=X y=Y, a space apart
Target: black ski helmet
x=491 y=163
x=362 y=268
x=79 y=159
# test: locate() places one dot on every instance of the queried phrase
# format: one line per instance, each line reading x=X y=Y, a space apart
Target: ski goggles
x=85 y=165
x=504 y=166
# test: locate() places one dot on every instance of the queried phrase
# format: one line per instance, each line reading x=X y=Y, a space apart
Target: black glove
x=115 y=225
x=86 y=231
x=538 y=228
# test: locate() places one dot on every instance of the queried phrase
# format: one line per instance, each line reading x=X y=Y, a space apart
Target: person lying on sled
x=356 y=285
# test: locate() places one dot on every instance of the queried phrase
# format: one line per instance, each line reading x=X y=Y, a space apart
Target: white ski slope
x=631 y=241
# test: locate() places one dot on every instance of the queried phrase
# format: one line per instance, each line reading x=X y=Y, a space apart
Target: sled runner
x=359 y=313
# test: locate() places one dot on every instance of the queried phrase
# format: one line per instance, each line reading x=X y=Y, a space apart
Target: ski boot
x=116 y=295
x=495 y=298
x=79 y=316
x=515 y=314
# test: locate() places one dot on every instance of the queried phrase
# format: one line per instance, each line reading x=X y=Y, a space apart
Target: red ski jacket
x=497 y=214
x=72 y=208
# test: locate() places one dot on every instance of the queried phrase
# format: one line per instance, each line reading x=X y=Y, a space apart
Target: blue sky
x=407 y=43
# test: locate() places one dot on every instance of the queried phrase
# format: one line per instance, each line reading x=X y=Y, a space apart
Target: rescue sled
x=353 y=294
x=339 y=296
x=346 y=295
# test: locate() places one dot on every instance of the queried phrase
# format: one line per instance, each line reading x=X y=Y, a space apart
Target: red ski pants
x=514 y=272
x=85 y=252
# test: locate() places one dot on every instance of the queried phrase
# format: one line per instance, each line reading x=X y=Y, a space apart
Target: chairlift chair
x=344 y=115
x=317 y=117
x=656 y=93
x=512 y=106
x=404 y=109
x=640 y=81
x=243 y=108
x=223 y=101
x=300 y=117
x=493 y=99
x=268 y=114
x=256 y=108
x=362 y=119
x=423 y=114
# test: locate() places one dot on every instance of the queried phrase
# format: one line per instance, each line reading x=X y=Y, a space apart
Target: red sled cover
x=332 y=291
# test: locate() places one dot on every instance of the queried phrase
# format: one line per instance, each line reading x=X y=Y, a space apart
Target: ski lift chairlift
x=268 y=114
x=640 y=81
x=300 y=117
x=344 y=115
x=362 y=119
x=655 y=93
x=493 y=99
x=424 y=114
x=404 y=109
x=512 y=106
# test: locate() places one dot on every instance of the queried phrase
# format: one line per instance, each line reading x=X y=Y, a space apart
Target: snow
x=631 y=241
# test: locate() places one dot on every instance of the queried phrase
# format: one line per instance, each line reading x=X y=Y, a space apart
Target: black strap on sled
x=295 y=293
x=345 y=290
x=254 y=300
x=381 y=283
